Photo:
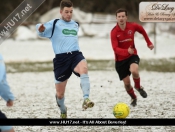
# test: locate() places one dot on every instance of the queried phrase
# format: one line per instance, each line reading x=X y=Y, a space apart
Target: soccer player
x=63 y=34
x=126 y=58
x=6 y=94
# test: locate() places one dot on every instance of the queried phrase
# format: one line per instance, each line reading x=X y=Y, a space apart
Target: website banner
x=17 y=17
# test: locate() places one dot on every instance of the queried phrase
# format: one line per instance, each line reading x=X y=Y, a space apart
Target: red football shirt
x=121 y=40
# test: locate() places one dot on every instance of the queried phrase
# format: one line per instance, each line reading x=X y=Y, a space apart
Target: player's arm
x=45 y=30
x=2 y=67
x=142 y=31
x=5 y=92
x=114 y=42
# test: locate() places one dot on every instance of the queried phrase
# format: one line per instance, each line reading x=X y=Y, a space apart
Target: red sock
x=131 y=93
x=137 y=83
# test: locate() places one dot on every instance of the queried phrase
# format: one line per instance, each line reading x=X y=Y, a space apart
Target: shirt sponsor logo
x=126 y=40
x=69 y=32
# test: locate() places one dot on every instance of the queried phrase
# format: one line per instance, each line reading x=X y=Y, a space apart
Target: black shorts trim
x=122 y=67
x=65 y=63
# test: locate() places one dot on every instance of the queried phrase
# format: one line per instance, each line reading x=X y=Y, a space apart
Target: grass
x=158 y=65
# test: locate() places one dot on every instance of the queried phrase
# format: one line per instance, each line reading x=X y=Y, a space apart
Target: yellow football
x=121 y=110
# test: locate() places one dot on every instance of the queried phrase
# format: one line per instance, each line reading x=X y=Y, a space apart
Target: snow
x=24 y=33
x=92 y=48
x=35 y=98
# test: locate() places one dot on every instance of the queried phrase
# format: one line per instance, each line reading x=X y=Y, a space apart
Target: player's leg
x=135 y=74
x=82 y=70
x=134 y=69
x=5 y=128
x=62 y=72
x=60 y=90
x=122 y=68
x=130 y=91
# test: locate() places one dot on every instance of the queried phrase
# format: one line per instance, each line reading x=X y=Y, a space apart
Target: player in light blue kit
x=6 y=94
x=63 y=34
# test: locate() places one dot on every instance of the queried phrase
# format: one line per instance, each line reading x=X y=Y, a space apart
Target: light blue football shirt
x=65 y=36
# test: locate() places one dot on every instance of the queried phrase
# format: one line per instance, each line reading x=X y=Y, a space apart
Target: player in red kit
x=126 y=58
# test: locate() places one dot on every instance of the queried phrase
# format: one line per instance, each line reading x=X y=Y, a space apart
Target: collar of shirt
x=119 y=29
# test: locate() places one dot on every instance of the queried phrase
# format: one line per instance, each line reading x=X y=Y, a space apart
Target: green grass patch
x=158 y=65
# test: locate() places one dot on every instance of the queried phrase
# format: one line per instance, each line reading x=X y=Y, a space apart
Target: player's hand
x=131 y=50
x=151 y=47
x=9 y=103
x=41 y=28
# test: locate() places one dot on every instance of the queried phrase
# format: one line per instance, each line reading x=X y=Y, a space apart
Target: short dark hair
x=121 y=10
x=65 y=3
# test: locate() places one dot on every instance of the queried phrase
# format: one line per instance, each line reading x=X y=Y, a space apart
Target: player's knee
x=134 y=72
x=60 y=96
x=83 y=70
